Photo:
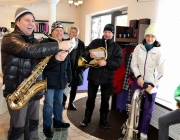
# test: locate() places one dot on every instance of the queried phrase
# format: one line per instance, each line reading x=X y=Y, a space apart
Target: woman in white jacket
x=148 y=66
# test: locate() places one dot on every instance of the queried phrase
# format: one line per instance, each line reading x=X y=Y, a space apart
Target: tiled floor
x=72 y=133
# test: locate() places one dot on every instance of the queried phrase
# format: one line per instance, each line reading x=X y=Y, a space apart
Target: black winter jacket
x=77 y=72
x=104 y=74
x=58 y=74
x=20 y=54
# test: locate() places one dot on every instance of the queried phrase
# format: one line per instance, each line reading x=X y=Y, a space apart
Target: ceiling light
x=76 y=2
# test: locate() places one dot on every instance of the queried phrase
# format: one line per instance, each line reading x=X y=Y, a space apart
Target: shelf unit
x=123 y=30
x=45 y=21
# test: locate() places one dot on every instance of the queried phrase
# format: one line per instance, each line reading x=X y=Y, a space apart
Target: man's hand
x=140 y=81
x=102 y=62
x=65 y=45
x=61 y=56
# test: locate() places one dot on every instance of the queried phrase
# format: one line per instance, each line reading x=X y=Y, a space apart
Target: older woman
x=77 y=72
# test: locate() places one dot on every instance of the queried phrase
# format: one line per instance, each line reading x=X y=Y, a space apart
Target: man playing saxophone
x=21 y=52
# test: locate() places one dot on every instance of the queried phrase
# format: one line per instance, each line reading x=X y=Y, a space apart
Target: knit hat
x=55 y=25
x=20 y=12
x=151 y=30
x=177 y=94
x=109 y=27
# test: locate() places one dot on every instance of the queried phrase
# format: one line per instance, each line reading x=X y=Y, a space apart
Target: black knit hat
x=20 y=12
x=109 y=27
x=55 y=25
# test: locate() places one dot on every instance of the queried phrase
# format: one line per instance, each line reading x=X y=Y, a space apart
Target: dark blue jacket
x=59 y=74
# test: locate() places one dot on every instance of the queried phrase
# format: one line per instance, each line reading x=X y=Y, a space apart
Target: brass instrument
x=131 y=125
x=28 y=88
x=101 y=54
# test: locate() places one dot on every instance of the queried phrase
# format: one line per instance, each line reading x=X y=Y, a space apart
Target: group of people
x=21 y=53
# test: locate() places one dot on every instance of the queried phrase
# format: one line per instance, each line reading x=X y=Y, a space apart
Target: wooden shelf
x=65 y=22
x=132 y=40
x=42 y=33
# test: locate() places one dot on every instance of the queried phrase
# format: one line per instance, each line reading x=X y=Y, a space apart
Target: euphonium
x=101 y=54
x=131 y=125
x=28 y=88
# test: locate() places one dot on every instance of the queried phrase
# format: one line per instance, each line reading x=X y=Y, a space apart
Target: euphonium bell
x=100 y=52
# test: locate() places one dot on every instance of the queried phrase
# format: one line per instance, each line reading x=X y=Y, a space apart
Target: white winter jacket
x=150 y=65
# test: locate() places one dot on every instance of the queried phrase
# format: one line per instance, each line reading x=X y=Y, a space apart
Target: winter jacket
x=77 y=72
x=150 y=65
x=58 y=74
x=104 y=74
x=20 y=54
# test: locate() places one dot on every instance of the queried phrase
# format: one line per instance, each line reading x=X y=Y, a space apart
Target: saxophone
x=131 y=125
x=28 y=88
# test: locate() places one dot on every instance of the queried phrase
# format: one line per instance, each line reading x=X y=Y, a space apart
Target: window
x=98 y=24
x=121 y=20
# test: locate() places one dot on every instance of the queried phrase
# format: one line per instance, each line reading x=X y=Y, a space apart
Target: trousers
x=52 y=105
x=24 y=121
x=147 y=108
x=165 y=121
x=106 y=91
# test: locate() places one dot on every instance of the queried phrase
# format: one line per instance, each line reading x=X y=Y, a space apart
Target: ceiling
x=8 y=3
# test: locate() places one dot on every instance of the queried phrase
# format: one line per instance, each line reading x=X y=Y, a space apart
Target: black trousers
x=72 y=95
x=106 y=91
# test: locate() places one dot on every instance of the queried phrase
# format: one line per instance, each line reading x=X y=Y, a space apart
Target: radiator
x=174 y=130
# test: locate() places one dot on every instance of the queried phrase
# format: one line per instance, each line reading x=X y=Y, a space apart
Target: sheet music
x=73 y=45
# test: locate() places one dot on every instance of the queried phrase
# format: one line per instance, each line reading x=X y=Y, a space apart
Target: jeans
x=52 y=104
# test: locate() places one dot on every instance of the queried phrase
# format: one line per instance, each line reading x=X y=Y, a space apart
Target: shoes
x=143 y=136
x=105 y=124
x=48 y=133
x=85 y=122
x=63 y=125
x=72 y=107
